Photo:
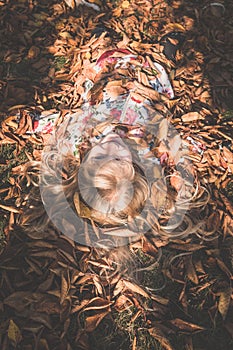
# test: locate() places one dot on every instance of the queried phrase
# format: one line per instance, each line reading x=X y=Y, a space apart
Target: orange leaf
x=186 y=327
x=159 y=336
x=93 y=321
x=191 y=117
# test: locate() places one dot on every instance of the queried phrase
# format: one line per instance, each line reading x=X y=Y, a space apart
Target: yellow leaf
x=11 y=209
x=81 y=209
x=175 y=27
x=191 y=117
x=33 y=52
x=65 y=35
x=70 y=3
x=125 y=4
x=224 y=302
x=88 y=55
x=14 y=332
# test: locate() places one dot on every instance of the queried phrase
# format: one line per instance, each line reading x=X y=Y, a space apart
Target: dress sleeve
x=45 y=122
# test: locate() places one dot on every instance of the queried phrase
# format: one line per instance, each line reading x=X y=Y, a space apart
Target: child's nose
x=111 y=148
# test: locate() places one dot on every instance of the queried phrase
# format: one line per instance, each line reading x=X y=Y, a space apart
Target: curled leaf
x=224 y=302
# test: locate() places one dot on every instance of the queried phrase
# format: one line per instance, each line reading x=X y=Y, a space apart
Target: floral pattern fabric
x=116 y=94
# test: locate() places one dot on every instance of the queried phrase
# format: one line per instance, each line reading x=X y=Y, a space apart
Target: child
x=109 y=172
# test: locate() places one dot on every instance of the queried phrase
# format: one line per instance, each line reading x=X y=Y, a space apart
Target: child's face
x=111 y=147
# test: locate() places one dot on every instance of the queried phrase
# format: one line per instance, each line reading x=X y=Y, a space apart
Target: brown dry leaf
x=9 y=208
x=16 y=300
x=33 y=52
x=149 y=248
x=91 y=322
x=48 y=307
x=224 y=302
x=114 y=89
x=163 y=130
x=79 y=307
x=186 y=327
x=42 y=319
x=224 y=268
x=190 y=270
x=65 y=286
x=135 y=288
x=176 y=182
x=14 y=333
x=191 y=117
x=81 y=209
x=147 y=92
x=98 y=303
x=174 y=27
x=122 y=303
x=160 y=337
x=213 y=221
x=229 y=326
x=124 y=42
x=228 y=205
x=228 y=155
x=71 y=3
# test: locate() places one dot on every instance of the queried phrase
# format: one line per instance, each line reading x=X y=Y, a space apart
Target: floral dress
x=119 y=88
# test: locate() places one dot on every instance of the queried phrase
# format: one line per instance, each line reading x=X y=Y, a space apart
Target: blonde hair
x=121 y=191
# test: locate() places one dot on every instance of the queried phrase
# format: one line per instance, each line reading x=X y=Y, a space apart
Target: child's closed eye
x=99 y=157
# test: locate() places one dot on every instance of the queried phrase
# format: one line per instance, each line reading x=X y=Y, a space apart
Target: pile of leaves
x=56 y=294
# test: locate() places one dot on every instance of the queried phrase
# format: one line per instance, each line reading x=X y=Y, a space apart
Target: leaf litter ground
x=59 y=295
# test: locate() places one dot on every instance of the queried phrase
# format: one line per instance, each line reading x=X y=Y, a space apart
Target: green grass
x=59 y=62
x=120 y=332
x=228 y=115
x=9 y=158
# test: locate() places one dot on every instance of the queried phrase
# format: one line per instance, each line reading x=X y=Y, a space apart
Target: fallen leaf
x=160 y=337
x=91 y=322
x=135 y=288
x=163 y=130
x=14 y=333
x=224 y=302
x=125 y=4
x=186 y=327
x=191 y=117
x=9 y=208
x=33 y=52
